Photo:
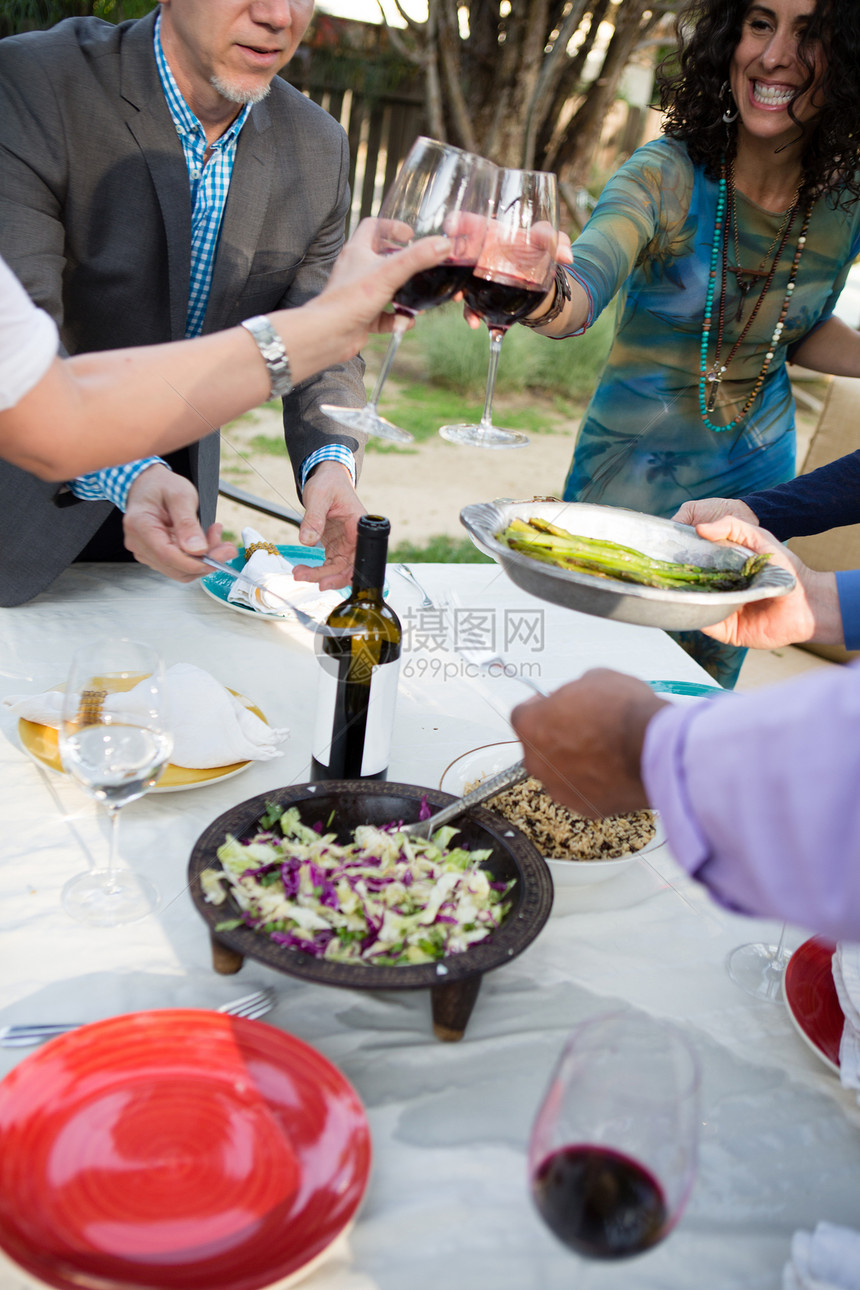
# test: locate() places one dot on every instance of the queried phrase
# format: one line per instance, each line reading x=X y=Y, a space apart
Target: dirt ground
x=421 y=489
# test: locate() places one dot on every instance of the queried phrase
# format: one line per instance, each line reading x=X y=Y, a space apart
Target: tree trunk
x=500 y=75
x=576 y=148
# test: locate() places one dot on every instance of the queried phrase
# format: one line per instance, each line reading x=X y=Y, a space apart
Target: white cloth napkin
x=846 y=978
x=277 y=573
x=210 y=726
x=826 y=1259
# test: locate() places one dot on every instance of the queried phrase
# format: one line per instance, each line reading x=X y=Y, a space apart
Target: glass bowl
x=489 y=759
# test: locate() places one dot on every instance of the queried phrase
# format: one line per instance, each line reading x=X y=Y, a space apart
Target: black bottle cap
x=371 y=553
x=374 y=525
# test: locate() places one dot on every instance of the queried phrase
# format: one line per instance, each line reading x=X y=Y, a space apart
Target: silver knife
x=321 y=629
x=23 y=1036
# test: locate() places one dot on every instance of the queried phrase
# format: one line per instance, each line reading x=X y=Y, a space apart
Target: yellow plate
x=42 y=744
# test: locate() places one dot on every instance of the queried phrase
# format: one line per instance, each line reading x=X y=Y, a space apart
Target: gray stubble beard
x=234 y=95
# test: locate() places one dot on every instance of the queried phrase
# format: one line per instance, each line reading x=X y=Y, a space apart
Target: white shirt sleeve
x=28 y=340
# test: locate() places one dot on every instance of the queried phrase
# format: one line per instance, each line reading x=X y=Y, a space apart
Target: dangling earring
x=728 y=116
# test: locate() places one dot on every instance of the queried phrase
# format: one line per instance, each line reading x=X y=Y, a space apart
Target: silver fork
x=407 y=573
x=485 y=659
x=251 y=1006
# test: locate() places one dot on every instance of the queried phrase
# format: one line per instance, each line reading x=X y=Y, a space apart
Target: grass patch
x=422 y=409
x=439 y=550
x=270 y=445
x=384 y=447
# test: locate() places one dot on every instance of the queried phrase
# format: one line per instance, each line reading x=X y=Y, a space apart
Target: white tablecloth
x=448 y=1200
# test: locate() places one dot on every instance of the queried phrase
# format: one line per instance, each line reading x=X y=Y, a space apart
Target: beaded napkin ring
x=562 y=295
x=90 y=712
x=260 y=546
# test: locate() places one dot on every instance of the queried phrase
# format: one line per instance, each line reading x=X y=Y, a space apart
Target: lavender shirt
x=760 y=798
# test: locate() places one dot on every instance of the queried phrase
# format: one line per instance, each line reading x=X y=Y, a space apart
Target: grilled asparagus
x=544 y=541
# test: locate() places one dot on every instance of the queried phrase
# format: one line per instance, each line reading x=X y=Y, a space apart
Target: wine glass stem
x=401 y=324
x=775 y=965
x=778 y=955
x=110 y=877
x=496 y=338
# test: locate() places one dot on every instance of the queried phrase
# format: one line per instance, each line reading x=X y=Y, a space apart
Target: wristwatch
x=273 y=352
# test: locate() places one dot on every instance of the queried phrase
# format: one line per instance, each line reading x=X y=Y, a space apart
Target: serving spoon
x=489 y=788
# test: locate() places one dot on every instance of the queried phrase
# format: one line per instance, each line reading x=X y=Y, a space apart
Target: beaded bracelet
x=562 y=295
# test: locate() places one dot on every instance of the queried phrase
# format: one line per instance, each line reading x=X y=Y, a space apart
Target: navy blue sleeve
x=848 y=590
x=827 y=498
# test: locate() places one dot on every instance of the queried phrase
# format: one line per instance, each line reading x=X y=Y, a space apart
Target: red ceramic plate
x=813 y=1004
x=180 y=1149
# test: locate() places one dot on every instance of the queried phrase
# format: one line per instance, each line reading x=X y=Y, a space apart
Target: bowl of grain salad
x=578 y=851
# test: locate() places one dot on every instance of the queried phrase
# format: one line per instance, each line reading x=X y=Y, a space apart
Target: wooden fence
x=347 y=69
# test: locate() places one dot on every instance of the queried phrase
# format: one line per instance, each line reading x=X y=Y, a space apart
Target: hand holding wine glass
x=438 y=190
x=115 y=741
x=613 y=1149
x=513 y=274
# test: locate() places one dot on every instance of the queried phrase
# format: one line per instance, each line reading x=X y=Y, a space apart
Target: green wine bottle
x=359 y=667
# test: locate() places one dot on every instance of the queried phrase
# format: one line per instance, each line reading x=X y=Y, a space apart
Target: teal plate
x=217 y=585
x=692 y=688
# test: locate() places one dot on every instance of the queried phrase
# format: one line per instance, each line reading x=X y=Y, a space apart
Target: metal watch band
x=273 y=352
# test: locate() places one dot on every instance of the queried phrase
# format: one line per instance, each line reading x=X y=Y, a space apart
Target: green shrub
x=422 y=408
x=439 y=550
x=457 y=357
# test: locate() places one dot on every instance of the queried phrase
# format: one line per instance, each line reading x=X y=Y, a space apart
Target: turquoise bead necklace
x=726 y=213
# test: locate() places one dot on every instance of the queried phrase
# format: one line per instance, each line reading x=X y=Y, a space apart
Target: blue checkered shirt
x=210 y=184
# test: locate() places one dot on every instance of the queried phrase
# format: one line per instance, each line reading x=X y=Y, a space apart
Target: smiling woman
x=728 y=242
x=784 y=66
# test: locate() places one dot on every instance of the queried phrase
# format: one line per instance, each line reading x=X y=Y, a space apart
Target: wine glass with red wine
x=513 y=274
x=439 y=189
x=613 y=1150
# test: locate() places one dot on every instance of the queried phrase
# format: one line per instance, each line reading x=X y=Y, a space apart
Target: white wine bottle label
x=352 y=731
x=380 y=717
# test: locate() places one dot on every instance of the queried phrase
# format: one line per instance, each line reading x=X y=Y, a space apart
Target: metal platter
x=609 y=597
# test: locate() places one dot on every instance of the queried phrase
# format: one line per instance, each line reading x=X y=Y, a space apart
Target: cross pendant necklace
x=713 y=377
x=746 y=280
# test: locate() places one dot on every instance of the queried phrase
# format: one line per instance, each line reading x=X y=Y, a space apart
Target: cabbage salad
x=386 y=898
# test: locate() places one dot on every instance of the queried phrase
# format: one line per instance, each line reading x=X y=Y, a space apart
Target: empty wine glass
x=513 y=274
x=438 y=190
x=613 y=1150
x=115 y=741
x=759 y=968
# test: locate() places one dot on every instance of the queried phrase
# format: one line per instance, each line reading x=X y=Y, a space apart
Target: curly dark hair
x=692 y=80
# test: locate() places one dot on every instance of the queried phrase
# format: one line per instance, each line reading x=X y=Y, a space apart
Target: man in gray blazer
x=157 y=179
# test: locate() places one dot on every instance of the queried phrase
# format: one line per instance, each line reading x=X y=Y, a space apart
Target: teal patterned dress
x=647 y=247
